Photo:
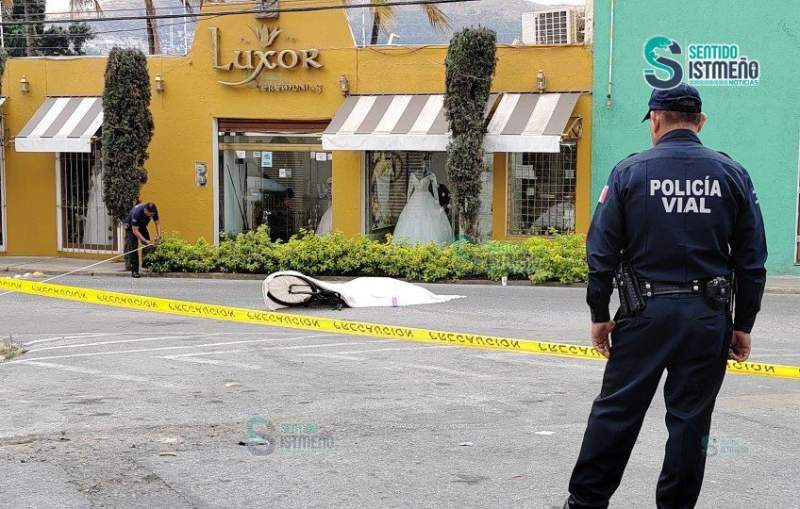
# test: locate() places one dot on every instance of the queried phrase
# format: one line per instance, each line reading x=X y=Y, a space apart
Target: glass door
x=280 y=181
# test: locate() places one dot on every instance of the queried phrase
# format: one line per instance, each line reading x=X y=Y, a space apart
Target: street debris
x=10 y=349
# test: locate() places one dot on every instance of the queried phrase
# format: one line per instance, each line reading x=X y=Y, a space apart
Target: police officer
x=136 y=231
x=682 y=221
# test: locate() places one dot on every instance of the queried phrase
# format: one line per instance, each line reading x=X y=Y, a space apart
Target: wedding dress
x=423 y=220
x=325 y=225
x=97 y=229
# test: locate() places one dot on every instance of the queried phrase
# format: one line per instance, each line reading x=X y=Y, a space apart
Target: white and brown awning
x=62 y=124
x=391 y=122
x=529 y=122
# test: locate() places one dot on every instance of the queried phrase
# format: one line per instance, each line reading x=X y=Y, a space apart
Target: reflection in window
x=281 y=181
x=393 y=180
x=541 y=192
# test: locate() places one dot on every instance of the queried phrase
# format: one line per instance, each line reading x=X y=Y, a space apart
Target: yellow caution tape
x=373 y=330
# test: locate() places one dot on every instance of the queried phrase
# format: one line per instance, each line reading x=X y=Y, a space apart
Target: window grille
x=86 y=225
x=541 y=192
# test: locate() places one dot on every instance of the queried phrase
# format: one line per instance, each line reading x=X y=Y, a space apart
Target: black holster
x=631 y=300
x=718 y=292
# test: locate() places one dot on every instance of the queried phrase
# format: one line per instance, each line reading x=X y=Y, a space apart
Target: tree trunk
x=376 y=28
x=153 y=42
x=28 y=30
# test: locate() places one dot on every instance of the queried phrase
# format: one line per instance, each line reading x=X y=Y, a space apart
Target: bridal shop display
x=348 y=138
x=423 y=219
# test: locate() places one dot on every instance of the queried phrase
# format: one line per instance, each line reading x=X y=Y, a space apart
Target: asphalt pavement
x=118 y=408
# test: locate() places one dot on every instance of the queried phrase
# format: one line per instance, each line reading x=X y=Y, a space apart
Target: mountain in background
x=410 y=25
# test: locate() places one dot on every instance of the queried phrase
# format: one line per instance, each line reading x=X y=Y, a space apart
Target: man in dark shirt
x=686 y=221
x=136 y=231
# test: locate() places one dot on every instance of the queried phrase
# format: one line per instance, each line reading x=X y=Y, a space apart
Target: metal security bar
x=85 y=223
x=541 y=192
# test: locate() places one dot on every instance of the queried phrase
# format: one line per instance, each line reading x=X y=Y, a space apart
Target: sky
x=63 y=5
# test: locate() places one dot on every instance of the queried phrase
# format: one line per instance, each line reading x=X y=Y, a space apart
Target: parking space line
x=213 y=352
x=96 y=372
x=138 y=340
x=447 y=371
x=114 y=342
x=167 y=348
x=72 y=336
x=215 y=362
x=335 y=356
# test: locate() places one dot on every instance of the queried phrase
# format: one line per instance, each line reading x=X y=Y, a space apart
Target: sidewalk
x=52 y=266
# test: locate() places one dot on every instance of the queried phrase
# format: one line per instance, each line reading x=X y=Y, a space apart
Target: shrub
x=562 y=259
x=558 y=258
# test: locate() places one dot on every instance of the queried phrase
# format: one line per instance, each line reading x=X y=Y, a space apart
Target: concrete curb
x=774 y=290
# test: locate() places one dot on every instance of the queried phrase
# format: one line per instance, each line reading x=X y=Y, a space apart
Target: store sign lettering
x=253 y=62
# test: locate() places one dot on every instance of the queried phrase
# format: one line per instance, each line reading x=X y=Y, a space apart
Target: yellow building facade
x=279 y=121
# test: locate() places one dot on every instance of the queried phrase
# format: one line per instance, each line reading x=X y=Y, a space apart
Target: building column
x=346 y=191
x=499 y=191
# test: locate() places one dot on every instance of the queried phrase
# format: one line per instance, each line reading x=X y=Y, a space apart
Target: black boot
x=135 y=275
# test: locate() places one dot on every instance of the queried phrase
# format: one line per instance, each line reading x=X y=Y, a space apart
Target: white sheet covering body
x=365 y=292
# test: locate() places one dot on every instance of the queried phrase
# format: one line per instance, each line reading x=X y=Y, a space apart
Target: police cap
x=683 y=98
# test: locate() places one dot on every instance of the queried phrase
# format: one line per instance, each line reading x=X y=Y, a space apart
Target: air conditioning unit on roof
x=557 y=26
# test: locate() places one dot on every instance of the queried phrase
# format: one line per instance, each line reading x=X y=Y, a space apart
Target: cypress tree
x=127 y=129
x=470 y=65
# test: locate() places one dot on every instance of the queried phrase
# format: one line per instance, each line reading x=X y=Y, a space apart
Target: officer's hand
x=600 y=332
x=740 y=346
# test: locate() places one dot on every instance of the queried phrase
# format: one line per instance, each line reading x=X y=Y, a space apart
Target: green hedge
x=558 y=258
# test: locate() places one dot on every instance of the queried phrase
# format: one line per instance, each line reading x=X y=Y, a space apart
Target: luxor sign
x=253 y=62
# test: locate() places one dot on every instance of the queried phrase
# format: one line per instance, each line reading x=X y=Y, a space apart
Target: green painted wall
x=758 y=126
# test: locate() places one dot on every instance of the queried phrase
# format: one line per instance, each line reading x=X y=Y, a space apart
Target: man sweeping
x=136 y=232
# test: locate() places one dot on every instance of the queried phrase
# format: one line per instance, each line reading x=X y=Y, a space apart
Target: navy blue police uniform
x=680 y=215
x=136 y=217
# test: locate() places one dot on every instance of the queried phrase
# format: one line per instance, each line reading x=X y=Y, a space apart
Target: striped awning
x=529 y=122
x=390 y=122
x=62 y=124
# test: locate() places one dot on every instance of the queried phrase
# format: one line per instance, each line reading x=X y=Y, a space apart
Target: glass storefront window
x=85 y=222
x=541 y=192
x=283 y=181
x=391 y=177
x=2 y=194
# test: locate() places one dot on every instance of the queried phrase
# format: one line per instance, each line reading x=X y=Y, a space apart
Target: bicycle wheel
x=291 y=290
